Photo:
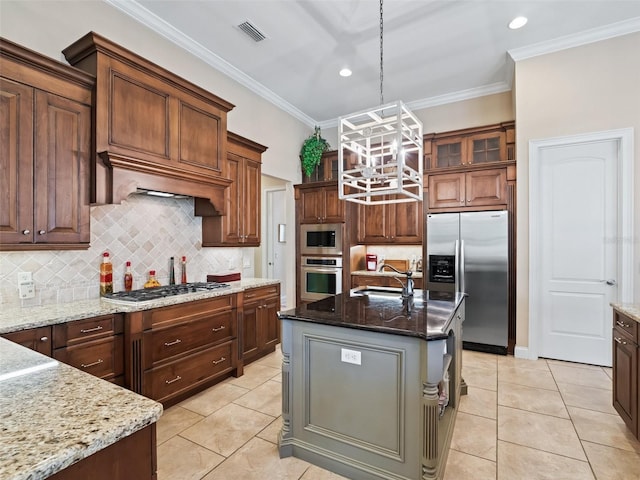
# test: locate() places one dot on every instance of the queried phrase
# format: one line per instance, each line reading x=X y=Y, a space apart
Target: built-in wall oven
x=321 y=239
x=321 y=277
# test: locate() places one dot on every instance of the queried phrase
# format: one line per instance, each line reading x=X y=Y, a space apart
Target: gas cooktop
x=150 y=294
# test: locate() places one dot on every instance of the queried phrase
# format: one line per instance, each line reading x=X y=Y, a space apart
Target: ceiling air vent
x=252 y=31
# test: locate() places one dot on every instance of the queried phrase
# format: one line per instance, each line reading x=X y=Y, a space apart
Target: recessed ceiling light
x=517 y=22
x=345 y=72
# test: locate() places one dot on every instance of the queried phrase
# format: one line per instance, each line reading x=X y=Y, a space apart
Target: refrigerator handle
x=456 y=265
x=462 y=268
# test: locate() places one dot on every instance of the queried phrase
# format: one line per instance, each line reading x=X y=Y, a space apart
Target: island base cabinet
x=132 y=457
x=366 y=404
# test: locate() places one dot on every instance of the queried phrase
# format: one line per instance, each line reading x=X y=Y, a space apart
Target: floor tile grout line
x=545 y=451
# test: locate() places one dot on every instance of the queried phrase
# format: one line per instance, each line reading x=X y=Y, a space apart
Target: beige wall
x=591 y=88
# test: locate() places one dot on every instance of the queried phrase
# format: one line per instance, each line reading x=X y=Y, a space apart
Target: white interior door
x=276 y=246
x=578 y=250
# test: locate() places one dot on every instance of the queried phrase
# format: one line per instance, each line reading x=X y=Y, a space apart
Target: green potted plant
x=312 y=150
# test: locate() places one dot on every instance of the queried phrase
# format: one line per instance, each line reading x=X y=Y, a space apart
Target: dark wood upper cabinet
x=393 y=223
x=153 y=129
x=487 y=187
x=319 y=203
x=241 y=224
x=470 y=146
x=45 y=150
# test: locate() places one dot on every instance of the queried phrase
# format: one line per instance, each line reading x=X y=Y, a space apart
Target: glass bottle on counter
x=152 y=282
x=172 y=273
x=128 y=278
x=106 y=275
x=184 y=270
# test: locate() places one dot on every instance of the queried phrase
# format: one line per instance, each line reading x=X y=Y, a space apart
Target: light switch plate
x=351 y=356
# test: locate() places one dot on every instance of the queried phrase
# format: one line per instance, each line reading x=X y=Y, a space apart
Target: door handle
x=610 y=282
x=462 y=267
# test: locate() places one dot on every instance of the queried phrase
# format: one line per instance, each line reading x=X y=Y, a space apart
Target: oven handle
x=322 y=269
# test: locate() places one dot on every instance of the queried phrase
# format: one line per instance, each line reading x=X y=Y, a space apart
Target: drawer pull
x=620 y=341
x=175 y=342
x=87 y=365
x=216 y=362
x=169 y=382
x=89 y=330
x=44 y=339
x=622 y=324
x=217 y=329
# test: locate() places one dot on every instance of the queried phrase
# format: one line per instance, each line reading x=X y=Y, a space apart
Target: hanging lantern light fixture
x=380 y=152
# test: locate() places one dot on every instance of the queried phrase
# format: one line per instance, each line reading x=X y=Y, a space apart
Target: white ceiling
x=435 y=52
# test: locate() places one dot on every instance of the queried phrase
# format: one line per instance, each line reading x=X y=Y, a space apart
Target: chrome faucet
x=407 y=290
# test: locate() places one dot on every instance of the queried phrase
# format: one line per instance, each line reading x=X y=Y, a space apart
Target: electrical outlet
x=351 y=356
x=24 y=277
x=26 y=287
x=27 y=290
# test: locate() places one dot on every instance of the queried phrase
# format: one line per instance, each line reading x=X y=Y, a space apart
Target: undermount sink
x=378 y=291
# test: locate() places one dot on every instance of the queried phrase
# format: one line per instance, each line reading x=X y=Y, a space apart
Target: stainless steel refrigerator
x=468 y=252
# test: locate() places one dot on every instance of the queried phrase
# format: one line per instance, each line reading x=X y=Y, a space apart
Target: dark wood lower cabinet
x=132 y=457
x=260 y=323
x=38 y=339
x=626 y=360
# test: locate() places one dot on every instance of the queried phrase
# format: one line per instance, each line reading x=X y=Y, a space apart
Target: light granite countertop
x=629 y=309
x=54 y=415
x=18 y=318
x=386 y=273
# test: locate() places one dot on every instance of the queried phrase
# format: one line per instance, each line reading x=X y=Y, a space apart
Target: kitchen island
x=371 y=382
x=58 y=422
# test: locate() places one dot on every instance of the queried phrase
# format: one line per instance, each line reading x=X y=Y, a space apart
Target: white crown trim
x=498 y=87
x=158 y=25
x=612 y=30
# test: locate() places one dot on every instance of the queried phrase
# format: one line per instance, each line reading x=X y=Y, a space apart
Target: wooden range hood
x=153 y=129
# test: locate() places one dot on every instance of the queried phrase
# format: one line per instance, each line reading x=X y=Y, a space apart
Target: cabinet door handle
x=89 y=330
x=169 y=382
x=26 y=231
x=44 y=339
x=620 y=341
x=622 y=324
x=41 y=232
x=87 y=365
x=175 y=342
x=217 y=329
x=216 y=362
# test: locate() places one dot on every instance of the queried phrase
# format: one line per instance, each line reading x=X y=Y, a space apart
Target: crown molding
x=598 y=34
x=498 y=87
x=139 y=13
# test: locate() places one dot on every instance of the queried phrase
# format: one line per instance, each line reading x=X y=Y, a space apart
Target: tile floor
x=522 y=420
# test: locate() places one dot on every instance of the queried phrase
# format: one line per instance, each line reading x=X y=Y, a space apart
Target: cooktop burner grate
x=148 y=294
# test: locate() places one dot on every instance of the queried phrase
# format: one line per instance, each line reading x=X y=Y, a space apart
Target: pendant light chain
x=381 y=57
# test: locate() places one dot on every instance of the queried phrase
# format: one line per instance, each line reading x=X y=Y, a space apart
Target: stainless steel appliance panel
x=321 y=277
x=479 y=241
x=484 y=247
x=321 y=239
x=443 y=233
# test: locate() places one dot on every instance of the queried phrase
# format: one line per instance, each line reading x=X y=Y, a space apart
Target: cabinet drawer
x=103 y=358
x=261 y=292
x=164 y=343
x=79 y=331
x=626 y=326
x=162 y=382
x=184 y=312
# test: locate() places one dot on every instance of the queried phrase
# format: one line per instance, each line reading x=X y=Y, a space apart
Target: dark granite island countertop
x=426 y=315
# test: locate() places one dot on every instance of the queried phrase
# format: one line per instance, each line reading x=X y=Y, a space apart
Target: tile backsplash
x=145 y=230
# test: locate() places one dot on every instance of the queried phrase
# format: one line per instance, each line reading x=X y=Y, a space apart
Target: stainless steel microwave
x=321 y=239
